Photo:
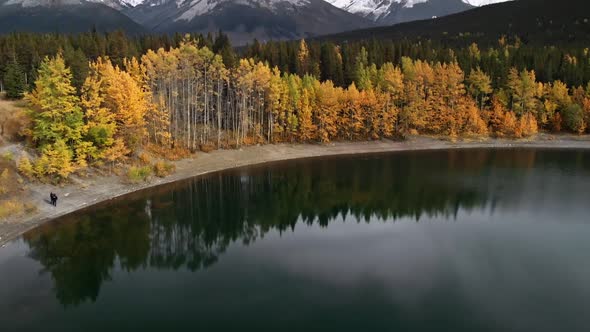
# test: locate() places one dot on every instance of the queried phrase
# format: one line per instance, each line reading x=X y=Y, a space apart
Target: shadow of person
x=48 y=201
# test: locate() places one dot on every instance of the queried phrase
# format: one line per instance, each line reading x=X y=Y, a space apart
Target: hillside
x=62 y=16
x=533 y=21
x=243 y=21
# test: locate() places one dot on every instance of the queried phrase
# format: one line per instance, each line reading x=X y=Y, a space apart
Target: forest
x=102 y=100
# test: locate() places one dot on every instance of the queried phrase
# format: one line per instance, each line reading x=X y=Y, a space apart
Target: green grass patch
x=139 y=174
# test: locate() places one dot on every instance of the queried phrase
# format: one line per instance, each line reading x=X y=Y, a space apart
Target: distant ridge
x=65 y=16
x=533 y=21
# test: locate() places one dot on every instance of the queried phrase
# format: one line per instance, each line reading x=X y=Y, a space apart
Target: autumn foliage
x=172 y=101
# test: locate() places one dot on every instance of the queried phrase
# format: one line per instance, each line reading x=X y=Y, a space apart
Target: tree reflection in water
x=190 y=224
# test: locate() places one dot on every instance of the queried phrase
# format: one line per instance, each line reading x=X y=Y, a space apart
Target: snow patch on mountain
x=374 y=8
x=198 y=7
x=201 y=7
x=410 y=3
x=480 y=3
x=379 y=8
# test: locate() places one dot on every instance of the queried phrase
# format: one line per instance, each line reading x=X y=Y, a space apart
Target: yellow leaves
x=524 y=91
x=303 y=63
x=25 y=167
x=480 y=86
x=468 y=120
x=84 y=150
x=572 y=60
x=505 y=123
x=328 y=108
x=124 y=97
x=55 y=161
x=54 y=105
x=474 y=52
x=117 y=151
x=306 y=125
x=528 y=125
x=393 y=80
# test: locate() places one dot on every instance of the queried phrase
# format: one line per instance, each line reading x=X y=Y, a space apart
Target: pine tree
x=78 y=64
x=14 y=80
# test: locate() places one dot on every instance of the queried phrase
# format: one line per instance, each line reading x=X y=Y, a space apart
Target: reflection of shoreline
x=107 y=188
x=189 y=225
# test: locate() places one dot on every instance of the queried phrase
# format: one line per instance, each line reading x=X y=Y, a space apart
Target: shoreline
x=85 y=192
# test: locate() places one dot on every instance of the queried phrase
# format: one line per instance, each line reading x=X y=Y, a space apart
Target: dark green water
x=472 y=240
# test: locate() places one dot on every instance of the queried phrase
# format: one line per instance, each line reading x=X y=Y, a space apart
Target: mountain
x=533 y=21
x=62 y=16
x=119 y=5
x=387 y=12
x=244 y=20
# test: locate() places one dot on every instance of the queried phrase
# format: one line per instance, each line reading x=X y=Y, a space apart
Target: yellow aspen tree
x=100 y=121
x=371 y=114
x=556 y=98
x=303 y=63
x=125 y=98
x=347 y=115
x=307 y=129
x=159 y=70
x=392 y=85
x=328 y=105
x=480 y=86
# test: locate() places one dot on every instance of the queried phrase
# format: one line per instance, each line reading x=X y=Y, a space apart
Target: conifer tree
x=14 y=80
x=54 y=106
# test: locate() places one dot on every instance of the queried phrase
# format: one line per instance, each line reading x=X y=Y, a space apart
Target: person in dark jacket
x=53 y=198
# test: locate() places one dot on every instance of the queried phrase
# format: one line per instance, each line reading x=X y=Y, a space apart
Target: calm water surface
x=471 y=240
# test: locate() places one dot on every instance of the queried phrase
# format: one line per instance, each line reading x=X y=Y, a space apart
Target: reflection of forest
x=189 y=225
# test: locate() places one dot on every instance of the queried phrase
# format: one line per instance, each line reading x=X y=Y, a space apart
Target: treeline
x=23 y=53
x=185 y=98
x=326 y=60
x=337 y=61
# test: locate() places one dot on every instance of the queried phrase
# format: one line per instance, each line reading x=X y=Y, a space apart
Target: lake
x=457 y=240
